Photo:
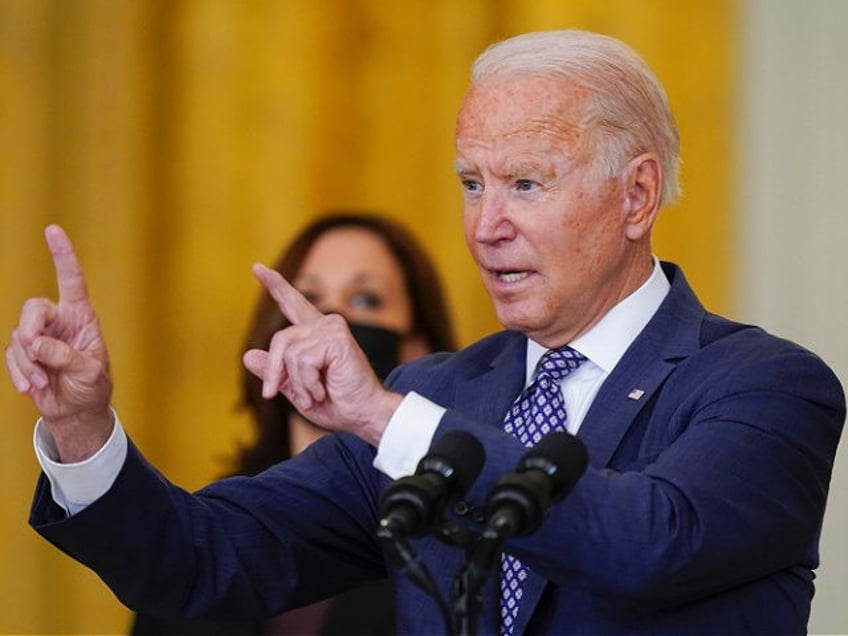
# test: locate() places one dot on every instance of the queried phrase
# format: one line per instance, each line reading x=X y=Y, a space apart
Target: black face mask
x=381 y=346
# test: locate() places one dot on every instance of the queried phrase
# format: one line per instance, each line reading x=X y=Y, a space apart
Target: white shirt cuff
x=408 y=436
x=75 y=486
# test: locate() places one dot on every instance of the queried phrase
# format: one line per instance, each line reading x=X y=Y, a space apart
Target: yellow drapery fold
x=180 y=141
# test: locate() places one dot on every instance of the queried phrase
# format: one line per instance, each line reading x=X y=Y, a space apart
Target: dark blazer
x=700 y=511
x=366 y=610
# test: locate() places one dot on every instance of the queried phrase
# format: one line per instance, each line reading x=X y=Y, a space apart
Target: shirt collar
x=605 y=343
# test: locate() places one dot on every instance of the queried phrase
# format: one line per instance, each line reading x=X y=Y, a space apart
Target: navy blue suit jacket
x=700 y=511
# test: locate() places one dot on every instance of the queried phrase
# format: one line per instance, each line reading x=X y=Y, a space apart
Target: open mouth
x=511 y=277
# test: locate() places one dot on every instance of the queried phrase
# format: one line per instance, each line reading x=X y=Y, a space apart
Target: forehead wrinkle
x=553 y=119
x=521 y=146
x=524 y=153
x=479 y=130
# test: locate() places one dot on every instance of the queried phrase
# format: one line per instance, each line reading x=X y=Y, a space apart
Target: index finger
x=69 y=276
x=291 y=302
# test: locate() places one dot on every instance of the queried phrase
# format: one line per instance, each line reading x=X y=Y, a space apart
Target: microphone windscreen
x=562 y=456
x=457 y=455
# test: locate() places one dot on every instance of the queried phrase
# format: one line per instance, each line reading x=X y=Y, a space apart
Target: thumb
x=58 y=357
x=55 y=354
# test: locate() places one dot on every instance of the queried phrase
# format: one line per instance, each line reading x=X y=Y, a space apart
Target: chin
x=515 y=321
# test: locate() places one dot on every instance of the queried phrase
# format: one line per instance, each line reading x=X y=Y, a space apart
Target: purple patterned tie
x=539 y=410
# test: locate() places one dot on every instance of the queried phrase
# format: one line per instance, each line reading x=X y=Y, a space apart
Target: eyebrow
x=520 y=168
x=359 y=277
x=460 y=169
x=367 y=277
x=516 y=170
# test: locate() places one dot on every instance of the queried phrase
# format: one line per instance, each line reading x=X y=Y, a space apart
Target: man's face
x=544 y=225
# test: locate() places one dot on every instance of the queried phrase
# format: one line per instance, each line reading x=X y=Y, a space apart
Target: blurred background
x=179 y=141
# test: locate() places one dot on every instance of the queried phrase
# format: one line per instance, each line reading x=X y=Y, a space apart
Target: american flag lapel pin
x=636 y=394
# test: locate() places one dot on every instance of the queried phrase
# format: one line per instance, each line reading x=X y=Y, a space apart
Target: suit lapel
x=487 y=393
x=628 y=388
x=671 y=335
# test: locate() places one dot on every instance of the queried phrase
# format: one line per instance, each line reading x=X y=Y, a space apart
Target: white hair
x=628 y=107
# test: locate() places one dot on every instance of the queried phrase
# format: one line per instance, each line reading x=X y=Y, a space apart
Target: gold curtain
x=178 y=141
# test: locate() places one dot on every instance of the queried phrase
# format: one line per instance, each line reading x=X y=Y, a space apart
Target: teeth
x=511 y=277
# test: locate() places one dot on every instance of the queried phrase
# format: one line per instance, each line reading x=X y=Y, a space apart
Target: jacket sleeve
x=239 y=548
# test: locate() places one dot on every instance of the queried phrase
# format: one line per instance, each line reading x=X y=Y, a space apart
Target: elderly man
x=710 y=443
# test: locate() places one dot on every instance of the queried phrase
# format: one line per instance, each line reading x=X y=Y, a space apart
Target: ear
x=413 y=346
x=642 y=192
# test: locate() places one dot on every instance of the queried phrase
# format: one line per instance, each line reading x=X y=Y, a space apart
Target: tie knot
x=558 y=363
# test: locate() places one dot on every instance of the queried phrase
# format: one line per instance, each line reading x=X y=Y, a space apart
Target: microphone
x=545 y=474
x=412 y=505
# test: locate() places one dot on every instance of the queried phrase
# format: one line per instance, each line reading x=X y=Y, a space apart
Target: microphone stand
x=469 y=581
x=482 y=552
x=482 y=556
x=411 y=565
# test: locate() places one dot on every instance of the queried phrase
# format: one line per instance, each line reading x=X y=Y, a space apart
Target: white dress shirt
x=410 y=430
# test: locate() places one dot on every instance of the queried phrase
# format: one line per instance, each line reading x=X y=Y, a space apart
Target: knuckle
x=335 y=322
x=34 y=306
x=278 y=340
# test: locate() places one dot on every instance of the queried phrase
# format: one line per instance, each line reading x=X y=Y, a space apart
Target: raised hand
x=318 y=366
x=57 y=356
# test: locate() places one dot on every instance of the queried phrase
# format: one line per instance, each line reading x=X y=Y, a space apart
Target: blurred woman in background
x=372 y=272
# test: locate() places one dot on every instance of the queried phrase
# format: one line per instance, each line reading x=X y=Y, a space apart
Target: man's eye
x=525 y=185
x=470 y=185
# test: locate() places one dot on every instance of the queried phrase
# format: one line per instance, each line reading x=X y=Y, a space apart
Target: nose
x=490 y=219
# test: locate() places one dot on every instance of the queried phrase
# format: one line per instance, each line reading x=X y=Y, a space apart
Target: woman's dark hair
x=430 y=320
